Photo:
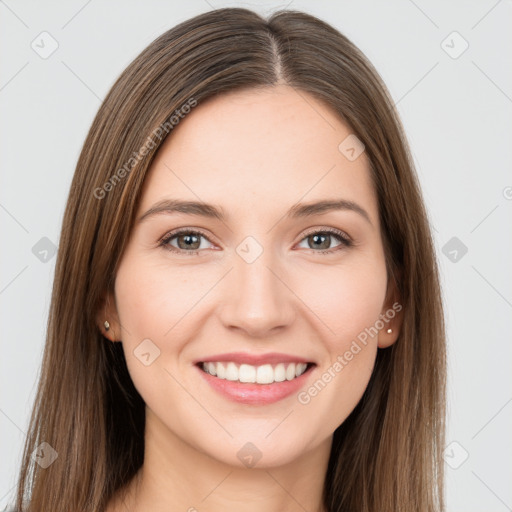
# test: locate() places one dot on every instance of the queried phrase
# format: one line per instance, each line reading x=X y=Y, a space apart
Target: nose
x=258 y=300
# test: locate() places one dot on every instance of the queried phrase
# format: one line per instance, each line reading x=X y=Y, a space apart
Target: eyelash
x=164 y=242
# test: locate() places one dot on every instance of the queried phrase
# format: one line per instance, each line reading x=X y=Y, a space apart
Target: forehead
x=260 y=150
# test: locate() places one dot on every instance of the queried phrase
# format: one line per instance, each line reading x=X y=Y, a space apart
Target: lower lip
x=256 y=394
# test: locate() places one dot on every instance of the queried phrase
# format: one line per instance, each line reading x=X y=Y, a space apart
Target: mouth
x=255 y=374
x=258 y=384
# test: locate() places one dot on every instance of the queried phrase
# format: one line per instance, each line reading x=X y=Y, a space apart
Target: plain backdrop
x=448 y=68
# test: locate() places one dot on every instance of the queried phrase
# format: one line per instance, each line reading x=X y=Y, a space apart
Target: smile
x=246 y=373
x=255 y=385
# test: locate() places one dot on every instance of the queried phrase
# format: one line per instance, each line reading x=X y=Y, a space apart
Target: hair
x=386 y=455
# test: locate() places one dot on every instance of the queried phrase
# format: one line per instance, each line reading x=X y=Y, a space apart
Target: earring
x=389 y=331
x=107 y=325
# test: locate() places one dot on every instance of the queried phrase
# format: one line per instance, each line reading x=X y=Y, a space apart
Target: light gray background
x=457 y=114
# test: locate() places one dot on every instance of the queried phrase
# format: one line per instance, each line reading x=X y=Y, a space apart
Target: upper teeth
x=265 y=374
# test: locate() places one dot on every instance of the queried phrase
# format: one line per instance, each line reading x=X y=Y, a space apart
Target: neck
x=176 y=476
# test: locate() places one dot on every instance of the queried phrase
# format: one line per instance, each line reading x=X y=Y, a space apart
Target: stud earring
x=107 y=325
x=389 y=331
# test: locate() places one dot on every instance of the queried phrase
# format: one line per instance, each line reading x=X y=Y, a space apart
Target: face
x=264 y=286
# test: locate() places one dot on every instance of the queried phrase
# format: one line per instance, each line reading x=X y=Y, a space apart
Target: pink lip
x=253 y=359
x=255 y=394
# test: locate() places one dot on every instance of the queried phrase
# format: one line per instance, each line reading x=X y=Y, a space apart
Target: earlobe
x=392 y=315
x=387 y=337
x=106 y=318
x=106 y=328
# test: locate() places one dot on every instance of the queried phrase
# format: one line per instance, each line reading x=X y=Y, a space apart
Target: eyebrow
x=299 y=210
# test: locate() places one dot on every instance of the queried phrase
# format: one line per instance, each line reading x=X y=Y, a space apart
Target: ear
x=107 y=312
x=392 y=315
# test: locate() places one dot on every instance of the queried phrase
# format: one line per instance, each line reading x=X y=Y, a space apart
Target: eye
x=322 y=240
x=188 y=241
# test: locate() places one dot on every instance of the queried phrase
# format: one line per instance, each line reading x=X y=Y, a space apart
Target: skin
x=255 y=153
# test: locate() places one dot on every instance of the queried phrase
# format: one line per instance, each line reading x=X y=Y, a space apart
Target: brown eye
x=321 y=241
x=187 y=241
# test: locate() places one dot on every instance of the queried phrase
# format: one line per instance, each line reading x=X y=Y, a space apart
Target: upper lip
x=253 y=359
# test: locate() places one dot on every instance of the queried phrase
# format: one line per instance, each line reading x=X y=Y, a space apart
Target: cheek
x=152 y=298
x=346 y=299
x=150 y=303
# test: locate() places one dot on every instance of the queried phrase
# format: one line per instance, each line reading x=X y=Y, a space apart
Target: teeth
x=279 y=373
x=247 y=373
x=220 y=371
x=265 y=374
x=231 y=371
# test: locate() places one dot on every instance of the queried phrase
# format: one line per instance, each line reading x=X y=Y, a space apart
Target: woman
x=246 y=311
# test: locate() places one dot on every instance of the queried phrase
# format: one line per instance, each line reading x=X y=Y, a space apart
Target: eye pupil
x=316 y=238
x=189 y=241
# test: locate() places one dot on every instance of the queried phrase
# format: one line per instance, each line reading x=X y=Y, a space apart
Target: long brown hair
x=386 y=456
